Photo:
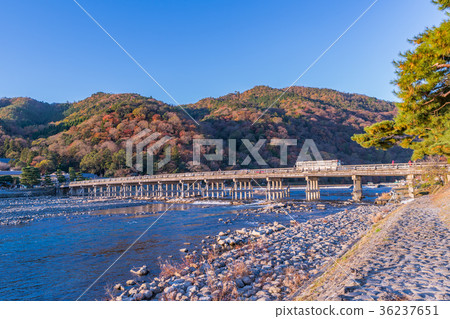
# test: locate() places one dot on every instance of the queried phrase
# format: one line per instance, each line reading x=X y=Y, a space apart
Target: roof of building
x=13 y=173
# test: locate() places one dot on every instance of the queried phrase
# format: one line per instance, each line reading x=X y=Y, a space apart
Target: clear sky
x=50 y=49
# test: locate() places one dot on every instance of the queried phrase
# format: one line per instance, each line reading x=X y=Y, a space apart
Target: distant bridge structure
x=241 y=184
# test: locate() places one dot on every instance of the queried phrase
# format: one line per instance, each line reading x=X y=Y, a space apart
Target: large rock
x=131 y=282
x=239 y=283
x=140 y=271
x=144 y=295
x=246 y=280
x=119 y=287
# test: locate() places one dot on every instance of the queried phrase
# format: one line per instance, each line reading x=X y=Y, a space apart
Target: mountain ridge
x=91 y=134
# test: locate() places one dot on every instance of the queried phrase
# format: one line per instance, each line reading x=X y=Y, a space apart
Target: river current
x=58 y=257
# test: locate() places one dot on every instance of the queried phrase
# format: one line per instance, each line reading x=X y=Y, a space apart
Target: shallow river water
x=58 y=257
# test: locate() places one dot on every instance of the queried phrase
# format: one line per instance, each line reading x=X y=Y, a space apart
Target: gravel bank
x=266 y=263
x=406 y=257
x=14 y=211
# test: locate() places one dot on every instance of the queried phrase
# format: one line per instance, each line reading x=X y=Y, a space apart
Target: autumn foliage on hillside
x=90 y=135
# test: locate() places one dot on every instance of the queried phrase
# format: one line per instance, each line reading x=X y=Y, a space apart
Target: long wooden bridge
x=240 y=184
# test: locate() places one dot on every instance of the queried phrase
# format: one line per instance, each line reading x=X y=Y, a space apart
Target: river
x=58 y=257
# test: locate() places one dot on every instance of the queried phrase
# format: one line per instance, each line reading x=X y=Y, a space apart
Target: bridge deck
x=404 y=169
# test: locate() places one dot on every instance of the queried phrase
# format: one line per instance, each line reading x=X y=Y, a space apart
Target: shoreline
x=268 y=262
x=20 y=210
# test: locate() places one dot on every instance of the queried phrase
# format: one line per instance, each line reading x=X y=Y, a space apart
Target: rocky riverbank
x=14 y=211
x=270 y=262
x=404 y=257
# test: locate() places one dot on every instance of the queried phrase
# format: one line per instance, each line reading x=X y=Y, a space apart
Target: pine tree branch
x=441 y=66
x=441 y=107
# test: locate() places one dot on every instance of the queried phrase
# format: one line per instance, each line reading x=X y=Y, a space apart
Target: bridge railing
x=200 y=175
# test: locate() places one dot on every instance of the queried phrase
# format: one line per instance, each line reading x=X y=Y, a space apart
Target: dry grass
x=170 y=268
x=110 y=293
x=293 y=279
x=440 y=199
x=257 y=246
x=211 y=256
x=383 y=198
x=375 y=218
x=238 y=269
x=223 y=288
x=263 y=279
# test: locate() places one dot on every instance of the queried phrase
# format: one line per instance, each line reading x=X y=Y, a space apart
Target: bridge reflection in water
x=240 y=184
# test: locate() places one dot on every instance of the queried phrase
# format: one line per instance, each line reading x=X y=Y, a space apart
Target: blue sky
x=50 y=49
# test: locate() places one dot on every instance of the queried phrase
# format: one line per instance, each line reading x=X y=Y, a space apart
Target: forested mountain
x=328 y=117
x=90 y=135
x=24 y=116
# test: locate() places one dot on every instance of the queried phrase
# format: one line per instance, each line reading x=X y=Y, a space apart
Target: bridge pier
x=196 y=189
x=206 y=190
x=138 y=191
x=159 y=192
x=181 y=189
x=275 y=189
x=156 y=190
x=191 y=189
x=145 y=191
x=357 y=188
x=186 y=189
x=410 y=183
x=172 y=189
x=241 y=189
x=312 y=188
x=213 y=189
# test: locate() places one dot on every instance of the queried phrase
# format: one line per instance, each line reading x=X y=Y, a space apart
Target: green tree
x=47 y=180
x=118 y=160
x=30 y=176
x=96 y=162
x=60 y=177
x=72 y=174
x=423 y=119
x=79 y=176
x=6 y=180
x=45 y=166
